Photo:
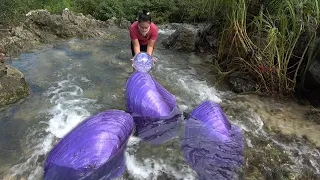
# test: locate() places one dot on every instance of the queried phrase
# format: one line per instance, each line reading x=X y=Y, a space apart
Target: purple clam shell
x=96 y=143
x=211 y=145
x=157 y=130
x=146 y=97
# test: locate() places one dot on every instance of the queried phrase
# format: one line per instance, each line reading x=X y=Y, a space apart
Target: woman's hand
x=154 y=59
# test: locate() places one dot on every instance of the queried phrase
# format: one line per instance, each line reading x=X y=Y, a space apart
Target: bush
x=163 y=11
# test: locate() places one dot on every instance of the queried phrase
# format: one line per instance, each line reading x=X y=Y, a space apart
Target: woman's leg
x=143 y=47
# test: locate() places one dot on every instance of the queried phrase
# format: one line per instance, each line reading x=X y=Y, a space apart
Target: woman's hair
x=144 y=16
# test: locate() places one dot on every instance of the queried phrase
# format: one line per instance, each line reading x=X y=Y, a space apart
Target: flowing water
x=75 y=79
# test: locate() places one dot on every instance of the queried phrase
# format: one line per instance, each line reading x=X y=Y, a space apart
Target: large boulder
x=42 y=27
x=184 y=38
x=66 y=25
x=242 y=82
x=208 y=40
x=311 y=89
x=13 y=86
x=315 y=71
x=200 y=38
x=121 y=23
x=312 y=82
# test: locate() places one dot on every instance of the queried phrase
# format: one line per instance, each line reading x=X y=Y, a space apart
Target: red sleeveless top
x=135 y=33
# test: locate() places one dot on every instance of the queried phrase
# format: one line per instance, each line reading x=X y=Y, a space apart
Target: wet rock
x=184 y=38
x=315 y=71
x=312 y=82
x=66 y=25
x=242 y=82
x=13 y=86
x=199 y=38
x=208 y=40
x=112 y=21
x=124 y=24
x=121 y=23
x=311 y=88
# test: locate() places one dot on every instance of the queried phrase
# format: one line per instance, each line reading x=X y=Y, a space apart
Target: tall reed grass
x=266 y=45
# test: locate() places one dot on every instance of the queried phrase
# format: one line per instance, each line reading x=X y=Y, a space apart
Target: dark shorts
x=142 y=48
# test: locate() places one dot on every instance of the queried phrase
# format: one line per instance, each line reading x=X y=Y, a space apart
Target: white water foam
x=151 y=169
x=69 y=109
x=197 y=90
x=166 y=31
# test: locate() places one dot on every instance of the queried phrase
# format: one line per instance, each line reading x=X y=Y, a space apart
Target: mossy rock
x=13 y=86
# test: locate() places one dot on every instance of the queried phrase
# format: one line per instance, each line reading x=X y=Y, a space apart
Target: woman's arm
x=150 y=46
x=153 y=38
x=136 y=46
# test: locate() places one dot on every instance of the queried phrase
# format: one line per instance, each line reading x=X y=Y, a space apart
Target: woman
x=143 y=34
